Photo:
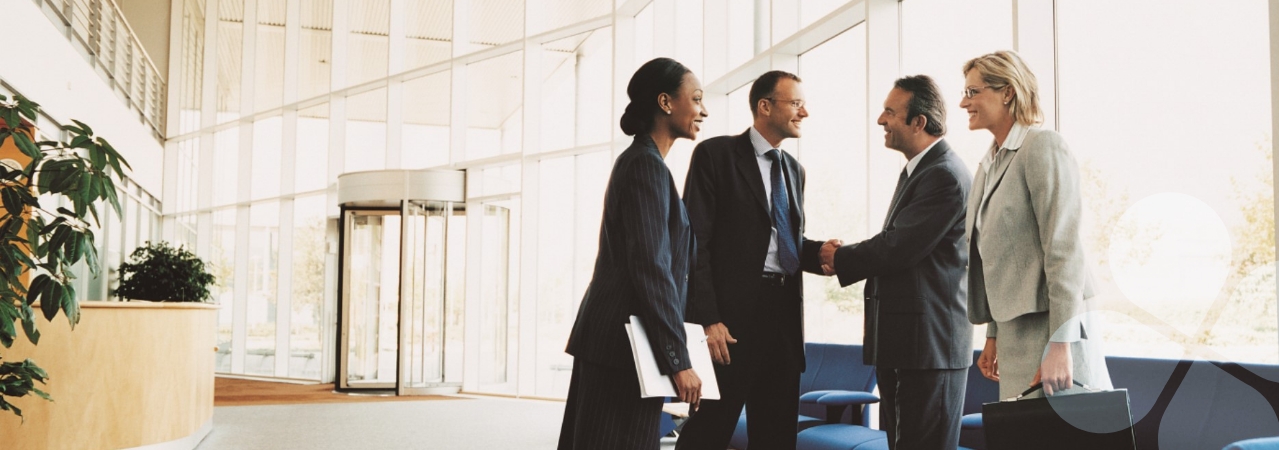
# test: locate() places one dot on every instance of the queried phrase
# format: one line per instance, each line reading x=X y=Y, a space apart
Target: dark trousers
x=921 y=408
x=763 y=376
x=604 y=411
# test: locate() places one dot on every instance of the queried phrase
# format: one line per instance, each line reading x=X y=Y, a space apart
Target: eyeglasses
x=797 y=104
x=973 y=91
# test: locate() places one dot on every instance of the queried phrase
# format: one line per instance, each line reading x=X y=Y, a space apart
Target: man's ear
x=763 y=106
x=921 y=121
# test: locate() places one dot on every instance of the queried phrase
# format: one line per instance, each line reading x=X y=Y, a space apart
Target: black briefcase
x=1099 y=420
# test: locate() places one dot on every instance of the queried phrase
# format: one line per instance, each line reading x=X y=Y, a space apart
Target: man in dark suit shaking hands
x=917 y=332
x=745 y=200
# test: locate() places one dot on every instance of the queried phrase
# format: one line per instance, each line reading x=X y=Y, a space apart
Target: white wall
x=65 y=85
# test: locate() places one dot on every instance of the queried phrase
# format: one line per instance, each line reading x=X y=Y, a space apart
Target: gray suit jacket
x=1032 y=255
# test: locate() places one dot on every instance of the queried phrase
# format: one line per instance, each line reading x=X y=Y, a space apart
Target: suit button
x=685 y=277
x=671 y=353
x=676 y=361
x=668 y=346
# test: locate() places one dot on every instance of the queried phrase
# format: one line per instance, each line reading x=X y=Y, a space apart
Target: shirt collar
x=758 y=142
x=914 y=162
x=1016 y=137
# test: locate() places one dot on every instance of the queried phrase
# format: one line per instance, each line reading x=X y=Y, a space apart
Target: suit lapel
x=930 y=158
x=1001 y=167
x=748 y=168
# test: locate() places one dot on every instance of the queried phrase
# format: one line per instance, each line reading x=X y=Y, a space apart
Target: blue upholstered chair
x=835 y=388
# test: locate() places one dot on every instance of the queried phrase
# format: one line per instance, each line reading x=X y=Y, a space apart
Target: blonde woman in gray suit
x=1028 y=279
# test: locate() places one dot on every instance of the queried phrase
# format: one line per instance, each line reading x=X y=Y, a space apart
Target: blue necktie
x=787 y=255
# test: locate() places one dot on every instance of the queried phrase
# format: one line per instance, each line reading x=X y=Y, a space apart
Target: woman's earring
x=668 y=111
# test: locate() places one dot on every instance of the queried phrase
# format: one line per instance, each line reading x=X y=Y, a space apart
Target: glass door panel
x=424 y=328
x=495 y=315
x=371 y=299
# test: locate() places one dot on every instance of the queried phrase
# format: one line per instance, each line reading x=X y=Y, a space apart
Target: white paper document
x=652 y=382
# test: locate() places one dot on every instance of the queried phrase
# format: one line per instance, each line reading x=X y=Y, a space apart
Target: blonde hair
x=1005 y=68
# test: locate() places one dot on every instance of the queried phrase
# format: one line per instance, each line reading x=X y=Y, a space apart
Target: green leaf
x=11 y=119
x=12 y=203
x=27 y=146
x=50 y=304
x=114 y=156
x=73 y=129
x=111 y=196
x=29 y=325
x=81 y=141
x=87 y=130
x=70 y=305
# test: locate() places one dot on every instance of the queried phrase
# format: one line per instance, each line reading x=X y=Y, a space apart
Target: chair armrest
x=847 y=398
x=812 y=396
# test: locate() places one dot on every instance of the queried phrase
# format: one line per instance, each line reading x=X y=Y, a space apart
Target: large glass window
x=367 y=44
x=267 y=140
x=268 y=87
x=427 y=115
x=192 y=81
x=230 y=58
x=972 y=29
x=576 y=83
x=835 y=193
x=307 y=303
x=226 y=167
x=494 y=99
x=429 y=30
x=499 y=313
x=556 y=300
x=1197 y=255
x=315 y=48
x=312 y=154
x=366 y=131
x=496 y=22
x=221 y=261
x=263 y=282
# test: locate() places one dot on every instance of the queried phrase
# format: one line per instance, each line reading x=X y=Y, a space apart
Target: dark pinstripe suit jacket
x=642 y=267
x=724 y=193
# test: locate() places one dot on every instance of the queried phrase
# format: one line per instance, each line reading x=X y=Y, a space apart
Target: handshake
x=827 y=255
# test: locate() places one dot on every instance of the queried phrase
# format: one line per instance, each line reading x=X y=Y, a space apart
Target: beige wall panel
x=130 y=374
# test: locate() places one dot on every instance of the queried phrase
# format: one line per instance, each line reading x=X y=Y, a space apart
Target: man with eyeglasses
x=917 y=333
x=745 y=200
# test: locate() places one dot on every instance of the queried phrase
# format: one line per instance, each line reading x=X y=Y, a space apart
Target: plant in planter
x=160 y=272
x=39 y=243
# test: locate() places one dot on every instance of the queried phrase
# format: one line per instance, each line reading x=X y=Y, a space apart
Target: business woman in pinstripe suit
x=642 y=270
x=1027 y=277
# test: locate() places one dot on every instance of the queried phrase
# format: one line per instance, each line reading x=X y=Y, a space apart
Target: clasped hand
x=827 y=254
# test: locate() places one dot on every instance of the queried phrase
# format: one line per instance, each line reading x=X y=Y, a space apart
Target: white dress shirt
x=761 y=145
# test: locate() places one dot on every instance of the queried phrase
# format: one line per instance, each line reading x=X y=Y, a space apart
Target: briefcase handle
x=1039 y=386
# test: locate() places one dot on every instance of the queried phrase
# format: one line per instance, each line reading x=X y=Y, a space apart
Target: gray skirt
x=1021 y=344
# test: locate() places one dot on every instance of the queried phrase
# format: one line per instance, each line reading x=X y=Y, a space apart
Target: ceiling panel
x=426 y=99
x=496 y=22
x=369 y=17
x=317 y=14
x=494 y=90
x=562 y=13
x=271 y=12
x=429 y=19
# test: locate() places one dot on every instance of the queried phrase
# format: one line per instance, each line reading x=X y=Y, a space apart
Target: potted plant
x=40 y=242
x=157 y=271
